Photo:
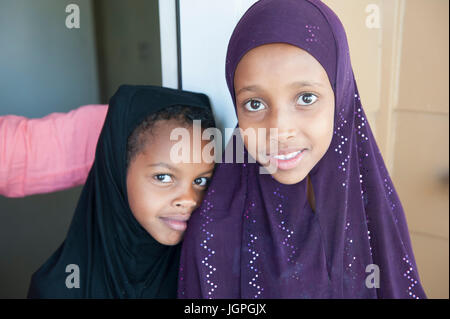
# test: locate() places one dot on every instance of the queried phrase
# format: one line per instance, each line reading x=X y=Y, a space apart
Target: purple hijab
x=254 y=237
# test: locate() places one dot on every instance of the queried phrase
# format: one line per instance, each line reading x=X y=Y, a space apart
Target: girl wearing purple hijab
x=328 y=222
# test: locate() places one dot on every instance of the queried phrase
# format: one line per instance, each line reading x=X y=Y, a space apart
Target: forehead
x=160 y=147
x=278 y=60
x=162 y=129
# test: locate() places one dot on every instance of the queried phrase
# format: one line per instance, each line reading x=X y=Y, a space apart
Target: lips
x=176 y=222
x=287 y=151
x=288 y=158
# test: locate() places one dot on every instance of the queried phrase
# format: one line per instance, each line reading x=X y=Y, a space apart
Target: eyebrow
x=254 y=88
x=305 y=83
x=172 y=168
x=207 y=172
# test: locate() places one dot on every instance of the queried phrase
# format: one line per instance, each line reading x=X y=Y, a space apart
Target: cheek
x=141 y=200
x=254 y=142
x=246 y=126
x=321 y=131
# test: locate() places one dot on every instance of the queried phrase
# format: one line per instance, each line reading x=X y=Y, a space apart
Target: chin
x=289 y=177
x=171 y=241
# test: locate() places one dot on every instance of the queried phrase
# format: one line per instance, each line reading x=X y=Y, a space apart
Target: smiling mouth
x=288 y=156
x=287 y=161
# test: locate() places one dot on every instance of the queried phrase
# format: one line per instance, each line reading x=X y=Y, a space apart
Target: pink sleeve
x=50 y=153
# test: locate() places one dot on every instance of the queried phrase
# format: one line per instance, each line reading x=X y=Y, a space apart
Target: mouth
x=177 y=222
x=287 y=159
x=287 y=156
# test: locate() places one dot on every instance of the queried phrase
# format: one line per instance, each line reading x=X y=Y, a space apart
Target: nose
x=284 y=122
x=187 y=199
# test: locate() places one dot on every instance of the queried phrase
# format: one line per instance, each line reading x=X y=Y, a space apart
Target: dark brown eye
x=163 y=178
x=201 y=181
x=254 y=105
x=307 y=99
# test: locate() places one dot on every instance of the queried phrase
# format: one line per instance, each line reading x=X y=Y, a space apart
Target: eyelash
x=311 y=94
x=207 y=181
x=156 y=177
x=255 y=100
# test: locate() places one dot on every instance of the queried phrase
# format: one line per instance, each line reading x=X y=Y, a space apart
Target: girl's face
x=282 y=86
x=163 y=194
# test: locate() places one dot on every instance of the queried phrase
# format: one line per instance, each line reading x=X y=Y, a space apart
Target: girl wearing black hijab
x=124 y=238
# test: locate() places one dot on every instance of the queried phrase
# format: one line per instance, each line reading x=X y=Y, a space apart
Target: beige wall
x=402 y=71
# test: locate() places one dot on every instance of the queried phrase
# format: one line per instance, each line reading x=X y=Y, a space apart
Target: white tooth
x=287 y=156
x=292 y=155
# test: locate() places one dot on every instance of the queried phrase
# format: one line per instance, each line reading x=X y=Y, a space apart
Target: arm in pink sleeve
x=48 y=154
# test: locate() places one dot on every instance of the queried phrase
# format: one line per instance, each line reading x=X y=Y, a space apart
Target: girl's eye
x=163 y=178
x=254 y=105
x=201 y=181
x=307 y=99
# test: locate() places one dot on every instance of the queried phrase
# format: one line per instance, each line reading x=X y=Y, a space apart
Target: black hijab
x=115 y=256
